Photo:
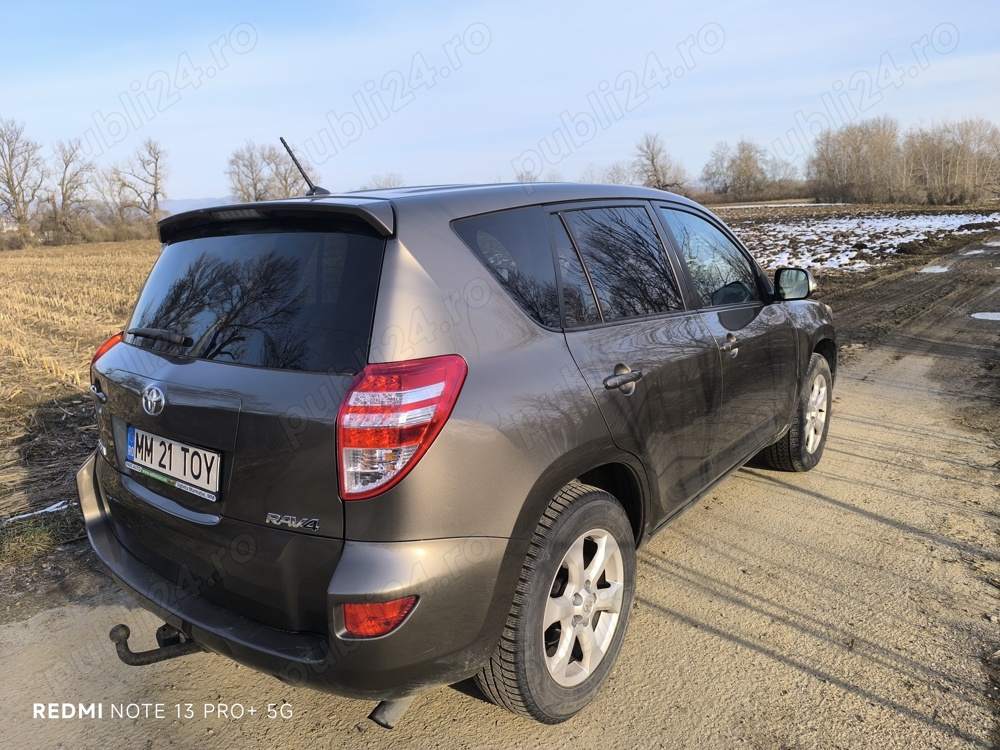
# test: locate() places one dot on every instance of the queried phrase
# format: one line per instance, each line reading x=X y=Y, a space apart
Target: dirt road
x=856 y=606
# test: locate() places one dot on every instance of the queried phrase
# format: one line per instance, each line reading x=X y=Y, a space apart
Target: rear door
x=652 y=365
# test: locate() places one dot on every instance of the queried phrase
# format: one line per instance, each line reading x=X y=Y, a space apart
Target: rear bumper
x=464 y=588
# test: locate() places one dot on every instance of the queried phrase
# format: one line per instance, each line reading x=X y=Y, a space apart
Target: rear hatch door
x=222 y=402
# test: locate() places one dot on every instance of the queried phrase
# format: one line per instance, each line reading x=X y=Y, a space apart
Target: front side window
x=627 y=263
x=515 y=247
x=722 y=274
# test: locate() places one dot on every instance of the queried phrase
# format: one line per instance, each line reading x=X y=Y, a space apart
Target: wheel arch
x=619 y=474
x=828 y=348
x=620 y=481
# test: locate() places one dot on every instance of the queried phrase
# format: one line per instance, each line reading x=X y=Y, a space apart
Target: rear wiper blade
x=161 y=334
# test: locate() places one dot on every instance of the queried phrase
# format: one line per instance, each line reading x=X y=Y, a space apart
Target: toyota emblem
x=152 y=400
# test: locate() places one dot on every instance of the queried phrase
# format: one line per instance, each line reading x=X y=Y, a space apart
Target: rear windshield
x=290 y=300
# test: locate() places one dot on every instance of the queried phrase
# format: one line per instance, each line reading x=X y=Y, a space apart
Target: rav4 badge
x=311 y=524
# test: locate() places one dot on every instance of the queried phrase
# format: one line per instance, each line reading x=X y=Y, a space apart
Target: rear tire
x=802 y=446
x=570 y=611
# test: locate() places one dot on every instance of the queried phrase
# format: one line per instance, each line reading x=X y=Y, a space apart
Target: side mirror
x=793 y=283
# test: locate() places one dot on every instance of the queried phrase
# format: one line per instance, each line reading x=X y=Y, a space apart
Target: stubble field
x=57 y=304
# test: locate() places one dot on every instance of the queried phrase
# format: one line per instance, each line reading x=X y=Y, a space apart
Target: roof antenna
x=313 y=190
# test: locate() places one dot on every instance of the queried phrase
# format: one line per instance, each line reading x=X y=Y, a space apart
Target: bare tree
x=826 y=169
x=525 y=176
x=22 y=176
x=265 y=172
x=747 y=170
x=871 y=162
x=592 y=174
x=381 y=181
x=882 y=171
x=717 y=172
x=68 y=197
x=982 y=139
x=143 y=178
x=286 y=180
x=115 y=207
x=954 y=162
x=654 y=166
x=779 y=170
x=617 y=173
x=862 y=162
x=249 y=177
x=621 y=173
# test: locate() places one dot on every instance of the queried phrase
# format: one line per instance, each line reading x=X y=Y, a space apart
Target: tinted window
x=625 y=260
x=514 y=245
x=579 y=305
x=722 y=274
x=288 y=300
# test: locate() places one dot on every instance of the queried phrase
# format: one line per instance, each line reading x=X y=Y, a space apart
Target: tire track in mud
x=931 y=313
x=900 y=306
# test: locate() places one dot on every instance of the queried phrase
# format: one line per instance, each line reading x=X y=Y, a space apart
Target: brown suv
x=382 y=441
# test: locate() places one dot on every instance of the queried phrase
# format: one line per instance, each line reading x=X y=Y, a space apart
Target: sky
x=449 y=92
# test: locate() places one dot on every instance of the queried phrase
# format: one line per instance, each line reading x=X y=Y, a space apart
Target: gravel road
x=855 y=606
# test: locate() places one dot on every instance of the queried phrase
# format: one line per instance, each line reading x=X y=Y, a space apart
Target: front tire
x=802 y=446
x=570 y=611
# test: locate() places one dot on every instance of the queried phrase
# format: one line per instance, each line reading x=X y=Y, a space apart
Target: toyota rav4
x=382 y=441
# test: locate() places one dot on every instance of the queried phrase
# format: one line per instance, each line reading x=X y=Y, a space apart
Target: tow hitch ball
x=172 y=643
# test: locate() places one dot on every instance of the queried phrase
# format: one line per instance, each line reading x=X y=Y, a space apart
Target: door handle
x=621 y=379
x=731 y=345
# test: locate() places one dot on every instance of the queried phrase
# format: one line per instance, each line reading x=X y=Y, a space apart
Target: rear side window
x=579 y=305
x=514 y=246
x=626 y=261
x=291 y=300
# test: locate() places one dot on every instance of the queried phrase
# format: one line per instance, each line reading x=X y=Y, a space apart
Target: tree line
x=66 y=197
x=870 y=161
x=874 y=161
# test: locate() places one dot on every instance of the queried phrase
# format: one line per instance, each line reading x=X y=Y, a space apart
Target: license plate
x=180 y=465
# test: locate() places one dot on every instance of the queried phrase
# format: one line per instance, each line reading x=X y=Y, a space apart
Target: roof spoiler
x=376 y=213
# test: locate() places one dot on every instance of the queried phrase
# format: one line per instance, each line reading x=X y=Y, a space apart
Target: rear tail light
x=389 y=418
x=370 y=620
x=103 y=349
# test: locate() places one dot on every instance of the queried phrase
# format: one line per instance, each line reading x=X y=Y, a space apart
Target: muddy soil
x=854 y=606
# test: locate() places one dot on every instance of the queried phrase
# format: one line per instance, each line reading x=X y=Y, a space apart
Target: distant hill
x=190 y=204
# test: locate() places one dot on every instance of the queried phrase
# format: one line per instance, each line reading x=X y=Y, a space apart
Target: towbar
x=172 y=643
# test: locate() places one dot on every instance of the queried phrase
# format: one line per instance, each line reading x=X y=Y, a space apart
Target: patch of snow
x=935 y=269
x=779 y=205
x=986 y=316
x=61 y=505
x=974 y=252
x=825 y=242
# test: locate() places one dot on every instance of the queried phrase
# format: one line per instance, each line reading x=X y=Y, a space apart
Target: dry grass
x=58 y=304
x=56 y=307
x=36 y=537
